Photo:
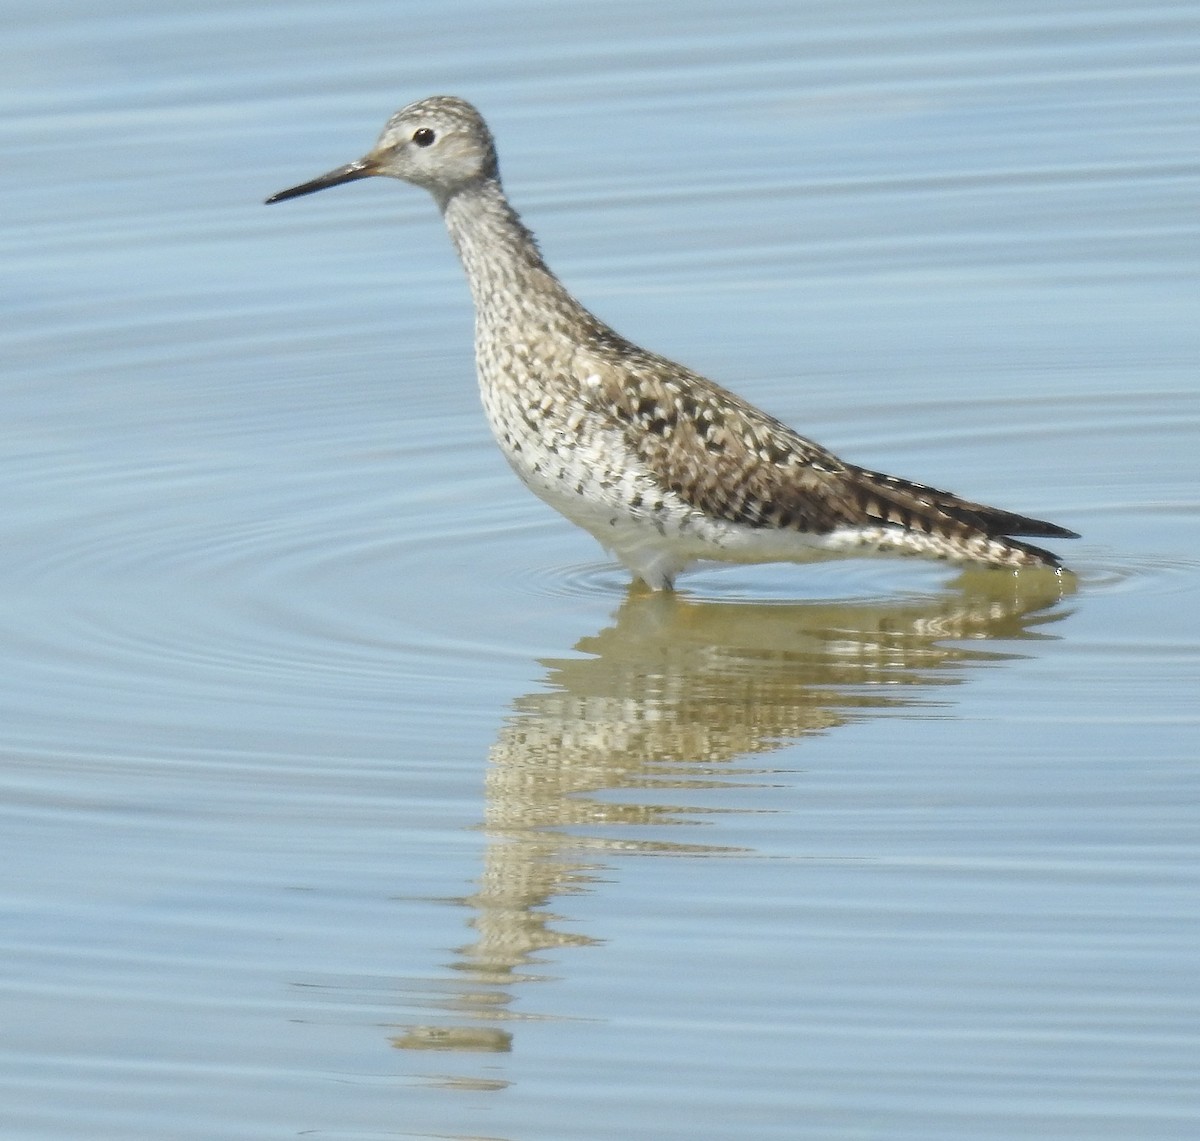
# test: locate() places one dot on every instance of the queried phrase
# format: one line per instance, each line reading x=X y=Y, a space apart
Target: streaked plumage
x=663 y=466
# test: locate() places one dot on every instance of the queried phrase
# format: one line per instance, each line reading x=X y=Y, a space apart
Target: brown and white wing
x=731 y=461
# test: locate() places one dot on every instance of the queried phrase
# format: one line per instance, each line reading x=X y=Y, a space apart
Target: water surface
x=345 y=790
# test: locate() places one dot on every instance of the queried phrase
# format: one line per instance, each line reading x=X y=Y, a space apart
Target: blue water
x=344 y=791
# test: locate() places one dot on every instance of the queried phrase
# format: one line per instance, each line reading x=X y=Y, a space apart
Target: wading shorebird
x=663 y=466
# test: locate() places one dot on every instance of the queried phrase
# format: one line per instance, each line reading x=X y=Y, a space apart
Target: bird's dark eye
x=423 y=136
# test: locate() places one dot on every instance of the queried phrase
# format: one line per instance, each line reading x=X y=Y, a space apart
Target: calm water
x=346 y=794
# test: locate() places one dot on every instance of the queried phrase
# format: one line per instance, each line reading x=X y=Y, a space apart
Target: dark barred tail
x=919 y=508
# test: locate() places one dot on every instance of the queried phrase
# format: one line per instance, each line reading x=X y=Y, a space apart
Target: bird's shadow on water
x=682 y=698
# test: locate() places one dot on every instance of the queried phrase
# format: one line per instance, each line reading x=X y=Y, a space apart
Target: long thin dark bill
x=348 y=173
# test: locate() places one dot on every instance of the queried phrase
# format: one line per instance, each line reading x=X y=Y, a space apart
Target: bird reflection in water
x=682 y=697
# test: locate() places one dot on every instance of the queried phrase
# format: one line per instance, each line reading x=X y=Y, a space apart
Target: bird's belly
x=589 y=475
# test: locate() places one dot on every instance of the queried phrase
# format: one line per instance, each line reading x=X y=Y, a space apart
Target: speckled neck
x=510 y=283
